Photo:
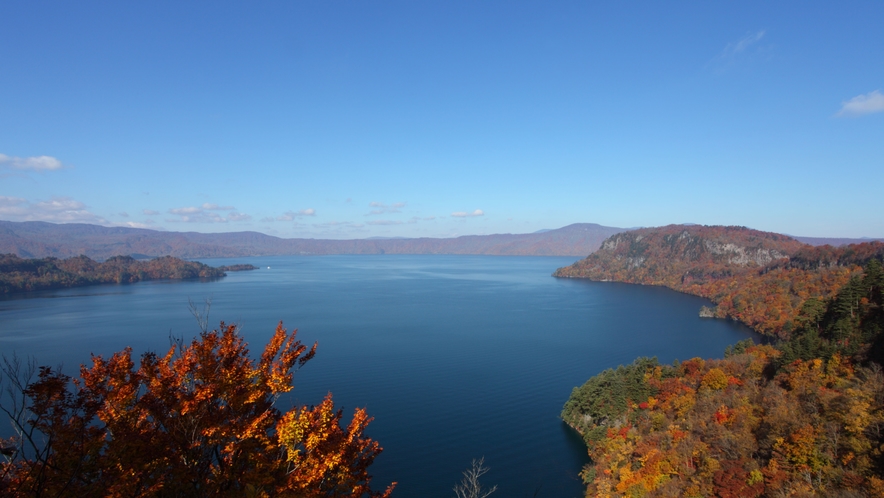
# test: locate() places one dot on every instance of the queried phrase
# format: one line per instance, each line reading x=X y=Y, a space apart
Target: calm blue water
x=456 y=357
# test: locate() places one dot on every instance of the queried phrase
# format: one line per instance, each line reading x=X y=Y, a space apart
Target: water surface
x=456 y=357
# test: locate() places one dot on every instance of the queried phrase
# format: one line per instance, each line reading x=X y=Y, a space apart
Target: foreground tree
x=469 y=486
x=199 y=421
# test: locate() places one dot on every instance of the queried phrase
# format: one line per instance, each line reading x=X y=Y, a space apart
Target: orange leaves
x=278 y=359
x=723 y=415
x=322 y=456
x=198 y=421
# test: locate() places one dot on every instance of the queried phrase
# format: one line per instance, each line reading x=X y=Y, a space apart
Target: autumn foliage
x=802 y=418
x=197 y=421
x=758 y=278
x=810 y=430
x=19 y=274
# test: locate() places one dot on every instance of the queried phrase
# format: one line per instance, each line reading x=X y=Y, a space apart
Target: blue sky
x=378 y=118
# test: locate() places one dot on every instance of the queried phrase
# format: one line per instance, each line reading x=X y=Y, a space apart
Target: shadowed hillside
x=19 y=275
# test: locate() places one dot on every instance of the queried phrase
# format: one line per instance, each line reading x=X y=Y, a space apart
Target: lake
x=456 y=357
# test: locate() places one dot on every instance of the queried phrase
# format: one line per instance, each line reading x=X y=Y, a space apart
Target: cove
x=456 y=357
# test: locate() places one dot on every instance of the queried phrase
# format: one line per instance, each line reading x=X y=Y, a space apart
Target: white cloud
x=383 y=222
x=869 y=103
x=215 y=207
x=203 y=214
x=124 y=214
x=464 y=214
x=292 y=215
x=150 y=212
x=36 y=163
x=10 y=202
x=134 y=224
x=381 y=208
x=338 y=224
x=57 y=210
x=238 y=217
x=186 y=210
x=302 y=212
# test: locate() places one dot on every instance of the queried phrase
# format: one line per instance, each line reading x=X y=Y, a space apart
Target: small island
x=238 y=267
x=22 y=275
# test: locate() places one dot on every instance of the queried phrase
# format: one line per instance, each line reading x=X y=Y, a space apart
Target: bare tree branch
x=201 y=315
x=470 y=487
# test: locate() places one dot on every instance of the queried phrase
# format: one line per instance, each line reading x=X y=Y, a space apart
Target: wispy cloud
x=238 y=217
x=214 y=207
x=338 y=224
x=150 y=212
x=743 y=43
x=860 y=105
x=292 y=215
x=464 y=214
x=186 y=210
x=384 y=222
x=746 y=48
x=204 y=214
x=35 y=163
x=381 y=208
x=57 y=209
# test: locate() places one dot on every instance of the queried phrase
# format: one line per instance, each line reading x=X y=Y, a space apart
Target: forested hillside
x=18 y=275
x=758 y=278
x=802 y=418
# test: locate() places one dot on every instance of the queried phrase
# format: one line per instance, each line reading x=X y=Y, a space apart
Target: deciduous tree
x=198 y=421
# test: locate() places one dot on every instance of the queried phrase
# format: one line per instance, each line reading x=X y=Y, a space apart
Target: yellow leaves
x=755 y=477
x=800 y=448
x=319 y=450
x=684 y=402
x=714 y=379
x=858 y=415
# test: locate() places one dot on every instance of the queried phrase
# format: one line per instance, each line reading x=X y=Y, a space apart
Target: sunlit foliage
x=805 y=418
x=761 y=279
x=197 y=421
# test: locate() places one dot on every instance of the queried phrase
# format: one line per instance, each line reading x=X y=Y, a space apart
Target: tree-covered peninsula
x=802 y=418
x=758 y=278
x=20 y=275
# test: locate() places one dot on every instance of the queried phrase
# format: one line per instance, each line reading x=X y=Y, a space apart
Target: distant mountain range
x=35 y=239
x=834 y=241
